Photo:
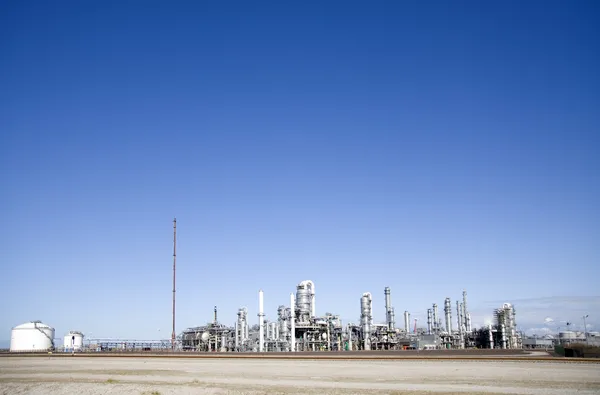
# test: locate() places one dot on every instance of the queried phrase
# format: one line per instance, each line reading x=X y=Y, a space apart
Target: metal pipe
x=292 y=323
x=261 y=322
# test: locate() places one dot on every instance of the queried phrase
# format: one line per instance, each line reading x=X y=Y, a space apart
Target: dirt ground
x=157 y=376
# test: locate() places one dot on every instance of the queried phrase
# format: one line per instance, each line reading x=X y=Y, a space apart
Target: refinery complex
x=299 y=328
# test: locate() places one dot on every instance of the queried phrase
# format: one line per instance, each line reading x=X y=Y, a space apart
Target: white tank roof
x=32 y=325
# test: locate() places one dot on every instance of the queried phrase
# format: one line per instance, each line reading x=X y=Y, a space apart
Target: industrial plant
x=299 y=328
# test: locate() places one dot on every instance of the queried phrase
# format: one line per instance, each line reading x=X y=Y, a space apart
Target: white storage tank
x=32 y=336
x=73 y=341
x=566 y=335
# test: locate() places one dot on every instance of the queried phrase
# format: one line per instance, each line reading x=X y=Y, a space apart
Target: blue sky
x=425 y=146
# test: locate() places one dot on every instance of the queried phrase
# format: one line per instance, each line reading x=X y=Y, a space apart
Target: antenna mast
x=174 y=260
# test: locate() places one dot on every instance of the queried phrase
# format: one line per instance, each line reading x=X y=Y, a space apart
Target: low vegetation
x=580 y=350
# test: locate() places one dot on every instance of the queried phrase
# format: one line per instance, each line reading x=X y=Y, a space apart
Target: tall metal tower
x=174 y=267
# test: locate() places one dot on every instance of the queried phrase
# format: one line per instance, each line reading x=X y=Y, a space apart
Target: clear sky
x=426 y=146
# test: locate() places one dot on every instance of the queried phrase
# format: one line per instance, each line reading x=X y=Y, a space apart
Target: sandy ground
x=80 y=375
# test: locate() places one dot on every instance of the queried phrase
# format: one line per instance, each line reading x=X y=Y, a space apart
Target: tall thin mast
x=174 y=266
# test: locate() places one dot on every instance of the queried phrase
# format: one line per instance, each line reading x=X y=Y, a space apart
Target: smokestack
x=261 y=322
x=174 y=266
x=292 y=323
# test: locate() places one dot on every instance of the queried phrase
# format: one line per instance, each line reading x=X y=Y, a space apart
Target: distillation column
x=305 y=301
x=389 y=310
x=292 y=323
x=429 y=315
x=448 y=313
x=237 y=337
x=466 y=314
x=349 y=330
x=459 y=317
x=366 y=319
x=241 y=327
x=406 y=321
x=261 y=322
x=282 y=317
x=459 y=321
x=435 y=318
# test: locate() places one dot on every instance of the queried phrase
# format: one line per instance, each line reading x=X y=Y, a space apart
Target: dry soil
x=155 y=376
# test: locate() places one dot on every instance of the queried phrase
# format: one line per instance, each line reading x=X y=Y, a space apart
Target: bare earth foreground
x=254 y=376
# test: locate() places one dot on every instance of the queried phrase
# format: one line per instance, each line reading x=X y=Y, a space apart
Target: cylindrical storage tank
x=566 y=335
x=32 y=336
x=73 y=341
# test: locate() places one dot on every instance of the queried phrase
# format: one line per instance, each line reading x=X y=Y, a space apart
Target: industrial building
x=298 y=328
x=537 y=343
